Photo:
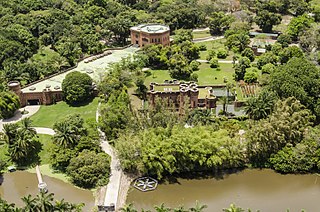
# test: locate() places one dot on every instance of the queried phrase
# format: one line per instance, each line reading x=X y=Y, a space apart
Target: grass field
x=206 y=75
x=47 y=145
x=48 y=115
x=201 y=34
x=214 y=45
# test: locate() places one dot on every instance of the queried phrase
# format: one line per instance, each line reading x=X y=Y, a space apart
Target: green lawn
x=4 y=153
x=214 y=45
x=201 y=34
x=49 y=114
x=47 y=145
x=206 y=75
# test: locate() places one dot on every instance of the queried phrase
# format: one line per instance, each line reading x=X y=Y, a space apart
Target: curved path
x=113 y=187
x=18 y=116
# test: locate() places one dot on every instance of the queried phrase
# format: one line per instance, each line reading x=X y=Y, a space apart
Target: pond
x=18 y=184
x=256 y=189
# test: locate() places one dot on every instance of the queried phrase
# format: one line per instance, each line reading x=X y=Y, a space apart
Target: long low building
x=48 y=90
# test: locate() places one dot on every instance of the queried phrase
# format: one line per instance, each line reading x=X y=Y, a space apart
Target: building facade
x=146 y=34
x=45 y=97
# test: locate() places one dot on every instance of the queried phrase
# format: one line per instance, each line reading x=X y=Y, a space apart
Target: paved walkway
x=113 y=187
x=199 y=40
x=44 y=130
x=201 y=29
x=18 y=116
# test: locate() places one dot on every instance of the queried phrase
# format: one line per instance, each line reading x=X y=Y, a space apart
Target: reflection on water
x=255 y=189
x=21 y=183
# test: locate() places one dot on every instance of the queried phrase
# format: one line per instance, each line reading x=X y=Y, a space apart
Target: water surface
x=21 y=183
x=256 y=189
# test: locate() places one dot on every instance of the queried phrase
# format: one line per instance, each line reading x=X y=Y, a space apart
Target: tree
x=178 y=67
x=240 y=68
x=128 y=208
x=238 y=42
x=77 y=87
x=89 y=169
x=297 y=25
x=266 y=20
x=222 y=53
x=284 y=40
x=233 y=208
x=182 y=35
x=267 y=58
x=251 y=75
x=287 y=53
x=248 y=52
x=214 y=63
x=261 y=106
x=219 y=22
x=198 y=207
x=69 y=131
x=298 y=78
x=286 y=125
x=9 y=103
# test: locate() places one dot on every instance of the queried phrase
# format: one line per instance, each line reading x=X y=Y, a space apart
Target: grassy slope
x=46 y=141
x=48 y=115
x=201 y=34
x=214 y=45
x=206 y=75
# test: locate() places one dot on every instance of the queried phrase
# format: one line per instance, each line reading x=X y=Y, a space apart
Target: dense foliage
x=77 y=153
x=9 y=103
x=179 y=150
x=22 y=142
x=77 y=88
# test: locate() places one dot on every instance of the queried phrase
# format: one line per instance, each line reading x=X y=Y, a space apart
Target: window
x=152 y=40
x=137 y=35
x=159 y=40
x=145 y=39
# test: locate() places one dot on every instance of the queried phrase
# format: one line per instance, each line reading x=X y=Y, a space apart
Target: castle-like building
x=178 y=93
x=146 y=34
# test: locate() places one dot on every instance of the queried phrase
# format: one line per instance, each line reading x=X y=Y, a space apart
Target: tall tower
x=15 y=87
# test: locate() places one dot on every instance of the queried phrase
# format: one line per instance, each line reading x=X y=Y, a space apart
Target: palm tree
x=9 y=133
x=224 y=101
x=128 y=208
x=233 y=208
x=26 y=126
x=29 y=202
x=162 y=208
x=62 y=206
x=44 y=202
x=180 y=209
x=65 y=136
x=198 y=207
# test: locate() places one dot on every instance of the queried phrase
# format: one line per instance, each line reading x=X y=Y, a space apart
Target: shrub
x=214 y=63
x=194 y=65
x=194 y=77
x=202 y=47
x=211 y=54
x=222 y=53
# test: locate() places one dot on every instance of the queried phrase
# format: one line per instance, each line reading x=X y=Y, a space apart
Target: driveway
x=18 y=116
